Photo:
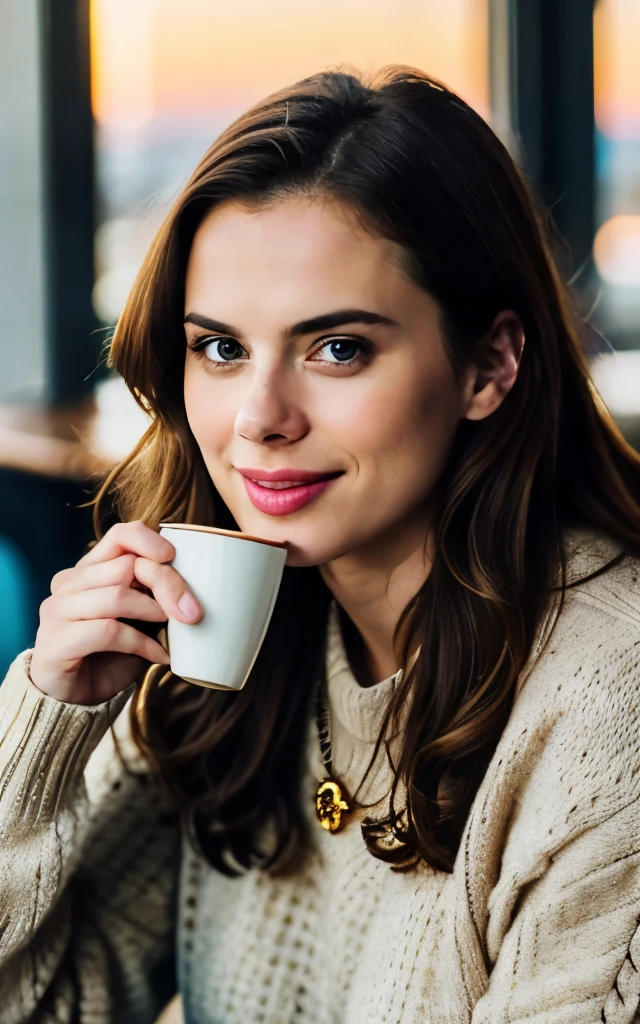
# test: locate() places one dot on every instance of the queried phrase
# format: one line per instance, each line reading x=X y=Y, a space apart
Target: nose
x=269 y=414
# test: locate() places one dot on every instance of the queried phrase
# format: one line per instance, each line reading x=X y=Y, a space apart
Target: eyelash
x=199 y=346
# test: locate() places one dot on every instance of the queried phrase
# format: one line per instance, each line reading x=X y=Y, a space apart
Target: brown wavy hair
x=421 y=168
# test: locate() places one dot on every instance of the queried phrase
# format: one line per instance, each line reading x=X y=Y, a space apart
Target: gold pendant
x=330 y=805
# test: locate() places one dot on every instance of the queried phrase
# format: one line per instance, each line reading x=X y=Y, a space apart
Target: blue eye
x=342 y=350
x=224 y=350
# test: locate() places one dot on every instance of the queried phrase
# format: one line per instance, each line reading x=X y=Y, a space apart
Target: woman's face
x=317 y=384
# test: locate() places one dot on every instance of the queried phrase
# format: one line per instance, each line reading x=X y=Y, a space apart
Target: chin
x=304 y=556
x=306 y=545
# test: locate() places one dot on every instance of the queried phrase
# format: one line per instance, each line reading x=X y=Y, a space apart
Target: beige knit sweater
x=538 y=921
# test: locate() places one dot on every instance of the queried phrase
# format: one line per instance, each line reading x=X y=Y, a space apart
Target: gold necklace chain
x=386 y=839
x=331 y=802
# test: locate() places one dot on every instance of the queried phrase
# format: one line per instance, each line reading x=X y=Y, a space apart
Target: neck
x=373 y=586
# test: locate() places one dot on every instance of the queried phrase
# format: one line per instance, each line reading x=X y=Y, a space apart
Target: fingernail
x=189 y=607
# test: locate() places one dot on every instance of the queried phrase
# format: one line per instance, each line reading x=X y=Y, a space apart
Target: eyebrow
x=324 y=322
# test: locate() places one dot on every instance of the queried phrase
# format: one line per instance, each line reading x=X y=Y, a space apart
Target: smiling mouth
x=283 y=492
x=279 y=478
x=281 y=485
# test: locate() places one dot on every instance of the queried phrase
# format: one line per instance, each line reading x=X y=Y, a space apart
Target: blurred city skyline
x=168 y=77
x=160 y=60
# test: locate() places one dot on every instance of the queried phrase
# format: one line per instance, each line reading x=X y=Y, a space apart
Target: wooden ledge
x=52 y=443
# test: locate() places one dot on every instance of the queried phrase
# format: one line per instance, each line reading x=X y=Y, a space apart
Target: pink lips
x=283 y=491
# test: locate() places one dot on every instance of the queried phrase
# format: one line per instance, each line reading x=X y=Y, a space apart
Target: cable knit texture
x=538 y=921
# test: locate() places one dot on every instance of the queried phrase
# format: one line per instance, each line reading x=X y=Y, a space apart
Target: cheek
x=210 y=413
x=407 y=420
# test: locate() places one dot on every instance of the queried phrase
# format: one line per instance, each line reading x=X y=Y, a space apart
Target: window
x=168 y=77
x=617 y=240
x=617 y=98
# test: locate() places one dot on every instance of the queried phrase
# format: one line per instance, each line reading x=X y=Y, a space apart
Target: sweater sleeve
x=88 y=864
x=562 y=925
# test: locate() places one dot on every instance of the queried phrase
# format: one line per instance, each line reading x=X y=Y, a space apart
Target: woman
x=350 y=337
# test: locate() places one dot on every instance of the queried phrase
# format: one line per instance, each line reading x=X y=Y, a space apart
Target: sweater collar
x=360 y=709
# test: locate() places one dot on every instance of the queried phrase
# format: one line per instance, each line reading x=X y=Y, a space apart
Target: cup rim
x=236 y=534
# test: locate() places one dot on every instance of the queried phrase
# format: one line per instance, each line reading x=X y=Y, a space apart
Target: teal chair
x=16 y=628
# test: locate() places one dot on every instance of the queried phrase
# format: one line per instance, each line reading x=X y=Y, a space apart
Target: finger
x=169 y=589
x=130 y=537
x=119 y=602
x=80 y=639
x=89 y=577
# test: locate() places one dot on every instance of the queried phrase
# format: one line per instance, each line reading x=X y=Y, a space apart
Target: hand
x=83 y=653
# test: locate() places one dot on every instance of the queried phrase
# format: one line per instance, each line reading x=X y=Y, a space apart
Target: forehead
x=296 y=245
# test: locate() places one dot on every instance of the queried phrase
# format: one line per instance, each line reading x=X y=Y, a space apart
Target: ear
x=496 y=369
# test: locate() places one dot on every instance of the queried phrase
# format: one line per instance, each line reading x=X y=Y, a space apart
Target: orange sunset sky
x=198 y=57
x=193 y=57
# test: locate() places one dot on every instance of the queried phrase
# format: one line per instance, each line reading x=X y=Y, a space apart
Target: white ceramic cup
x=236 y=579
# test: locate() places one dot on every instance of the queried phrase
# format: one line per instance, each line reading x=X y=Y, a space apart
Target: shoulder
x=589 y=643
x=588 y=666
x=603 y=576
x=569 y=756
x=582 y=691
x=560 y=801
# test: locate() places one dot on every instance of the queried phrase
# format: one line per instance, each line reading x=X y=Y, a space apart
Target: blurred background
x=106 y=107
